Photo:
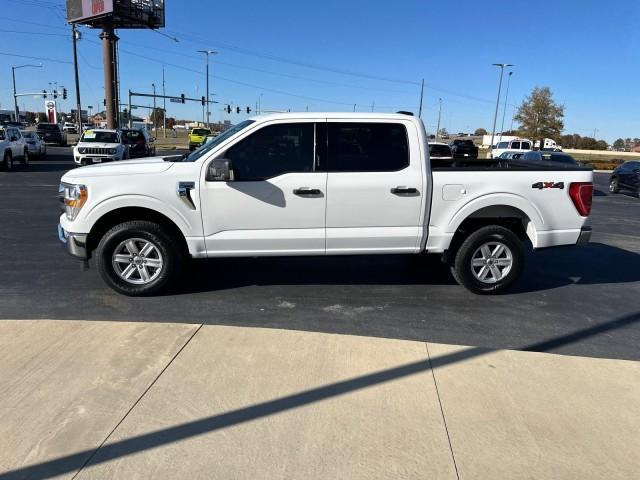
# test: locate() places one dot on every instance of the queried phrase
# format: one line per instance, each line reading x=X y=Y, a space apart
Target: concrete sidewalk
x=140 y=400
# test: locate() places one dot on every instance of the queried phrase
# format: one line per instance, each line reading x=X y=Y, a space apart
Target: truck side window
x=515 y=145
x=367 y=147
x=272 y=151
x=526 y=146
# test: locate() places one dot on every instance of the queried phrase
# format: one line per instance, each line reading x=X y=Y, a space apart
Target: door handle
x=404 y=190
x=307 y=192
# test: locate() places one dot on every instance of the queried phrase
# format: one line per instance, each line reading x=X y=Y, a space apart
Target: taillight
x=581 y=194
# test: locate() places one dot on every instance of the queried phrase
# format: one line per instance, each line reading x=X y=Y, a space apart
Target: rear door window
x=515 y=145
x=526 y=146
x=367 y=147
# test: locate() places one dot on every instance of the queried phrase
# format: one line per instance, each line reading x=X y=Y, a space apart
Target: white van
x=515 y=145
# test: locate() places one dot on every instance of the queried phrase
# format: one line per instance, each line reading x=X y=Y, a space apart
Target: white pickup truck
x=319 y=184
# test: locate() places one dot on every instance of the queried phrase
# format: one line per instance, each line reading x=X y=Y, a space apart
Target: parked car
x=37 y=147
x=463 y=149
x=69 y=127
x=440 y=154
x=139 y=141
x=626 y=177
x=558 y=157
x=12 y=147
x=52 y=133
x=98 y=146
x=519 y=145
x=510 y=155
x=197 y=136
x=317 y=184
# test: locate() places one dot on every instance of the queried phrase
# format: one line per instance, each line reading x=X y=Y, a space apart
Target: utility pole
x=421 y=96
x=74 y=36
x=373 y=104
x=164 y=107
x=206 y=54
x=439 y=115
x=15 y=96
x=108 y=41
x=354 y=107
x=513 y=116
x=495 y=116
x=155 y=114
x=504 y=111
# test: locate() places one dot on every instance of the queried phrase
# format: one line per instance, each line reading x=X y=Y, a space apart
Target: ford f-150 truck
x=319 y=184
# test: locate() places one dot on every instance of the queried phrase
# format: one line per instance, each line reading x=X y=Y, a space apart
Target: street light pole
x=155 y=114
x=439 y=114
x=495 y=115
x=15 y=98
x=206 y=54
x=164 y=107
x=504 y=111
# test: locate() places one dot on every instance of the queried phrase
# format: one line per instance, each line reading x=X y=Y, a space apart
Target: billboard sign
x=50 y=111
x=83 y=10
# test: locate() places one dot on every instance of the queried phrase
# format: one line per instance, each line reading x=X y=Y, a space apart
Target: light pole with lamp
x=15 y=98
x=495 y=116
x=207 y=53
x=504 y=111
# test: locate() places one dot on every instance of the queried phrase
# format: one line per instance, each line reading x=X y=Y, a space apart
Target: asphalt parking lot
x=577 y=301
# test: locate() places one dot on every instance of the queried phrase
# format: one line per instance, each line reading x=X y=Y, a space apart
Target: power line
x=22 y=32
x=46 y=59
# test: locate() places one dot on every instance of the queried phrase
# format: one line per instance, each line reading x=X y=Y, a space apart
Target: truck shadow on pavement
x=594 y=263
x=108 y=451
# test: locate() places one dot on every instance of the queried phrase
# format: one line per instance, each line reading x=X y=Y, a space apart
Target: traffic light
x=228 y=109
x=202 y=100
x=104 y=102
x=182 y=97
x=55 y=94
x=64 y=93
x=237 y=109
x=248 y=110
x=44 y=94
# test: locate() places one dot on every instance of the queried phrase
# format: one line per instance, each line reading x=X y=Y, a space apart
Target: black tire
x=25 y=158
x=462 y=268
x=614 y=187
x=43 y=155
x=168 y=246
x=7 y=162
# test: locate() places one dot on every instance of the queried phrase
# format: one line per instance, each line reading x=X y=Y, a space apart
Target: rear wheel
x=613 y=185
x=25 y=158
x=138 y=258
x=489 y=260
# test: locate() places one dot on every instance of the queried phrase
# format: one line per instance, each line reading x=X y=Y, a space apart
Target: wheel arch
x=124 y=214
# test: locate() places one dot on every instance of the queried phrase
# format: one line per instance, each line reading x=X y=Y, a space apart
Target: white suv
x=516 y=145
x=12 y=147
x=98 y=146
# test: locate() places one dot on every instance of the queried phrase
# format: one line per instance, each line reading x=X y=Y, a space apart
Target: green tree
x=480 y=131
x=618 y=144
x=540 y=116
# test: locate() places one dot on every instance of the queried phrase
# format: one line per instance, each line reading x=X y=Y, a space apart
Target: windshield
x=100 y=137
x=199 y=152
x=48 y=126
x=131 y=136
x=439 y=151
x=200 y=131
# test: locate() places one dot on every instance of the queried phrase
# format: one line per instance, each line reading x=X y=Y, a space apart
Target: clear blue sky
x=300 y=55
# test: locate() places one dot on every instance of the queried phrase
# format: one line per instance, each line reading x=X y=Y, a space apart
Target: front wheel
x=613 y=185
x=489 y=260
x=138 y=258
x=8 y=161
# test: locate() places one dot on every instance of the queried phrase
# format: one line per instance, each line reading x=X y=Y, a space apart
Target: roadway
x=577 y=301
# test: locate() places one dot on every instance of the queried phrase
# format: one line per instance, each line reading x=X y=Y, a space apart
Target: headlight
x=82 y=150
x=113 y=150
x=73 y=198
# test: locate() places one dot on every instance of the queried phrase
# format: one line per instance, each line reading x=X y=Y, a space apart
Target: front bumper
x=585 y=235
x=94 y=159
x=74 y=243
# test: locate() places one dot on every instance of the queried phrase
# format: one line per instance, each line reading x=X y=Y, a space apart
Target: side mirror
x=220 y=170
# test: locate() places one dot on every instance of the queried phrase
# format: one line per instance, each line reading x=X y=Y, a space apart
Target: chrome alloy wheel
x=491 y=262
x=137 y=261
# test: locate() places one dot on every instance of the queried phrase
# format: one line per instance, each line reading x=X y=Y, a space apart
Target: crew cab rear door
x=275 y=204
x=375 y=190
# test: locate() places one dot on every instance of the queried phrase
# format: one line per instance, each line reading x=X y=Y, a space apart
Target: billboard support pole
x=108 y=40
x=130 y=123
x=74 y=35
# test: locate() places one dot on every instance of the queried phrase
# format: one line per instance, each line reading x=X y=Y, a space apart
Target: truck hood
x=139 y=166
